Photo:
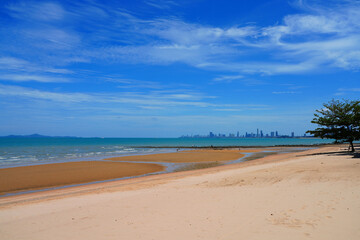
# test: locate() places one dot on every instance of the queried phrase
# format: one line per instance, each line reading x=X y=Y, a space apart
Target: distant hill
x=35 y=136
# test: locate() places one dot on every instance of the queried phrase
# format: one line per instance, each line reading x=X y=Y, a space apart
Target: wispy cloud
x=36 y=78
x=187 y=34
x=16 y=91
x=244 y=108
x=163 y=4
x=349 y=89
x=228 y=78
x=285 y=92
x=320 y=38
x=133 y=83
x=52 y=38
x=263 y=68
x=152 y=100
x=336 y=44
x=16 y=64
x=344 y=91
x=29 y=10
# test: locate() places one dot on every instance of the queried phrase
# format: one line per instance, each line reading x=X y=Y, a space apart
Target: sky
x=166 y=68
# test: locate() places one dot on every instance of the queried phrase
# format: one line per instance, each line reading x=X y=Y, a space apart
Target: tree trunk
x=352 y=146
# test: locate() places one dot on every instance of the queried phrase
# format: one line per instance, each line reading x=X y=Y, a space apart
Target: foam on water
x=27 y=151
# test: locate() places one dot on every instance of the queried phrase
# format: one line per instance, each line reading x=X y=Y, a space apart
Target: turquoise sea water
x=25 y=151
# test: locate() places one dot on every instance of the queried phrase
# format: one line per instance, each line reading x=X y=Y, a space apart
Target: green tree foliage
x=339 y=120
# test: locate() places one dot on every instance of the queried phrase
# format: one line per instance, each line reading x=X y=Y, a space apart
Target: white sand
x=280 y=197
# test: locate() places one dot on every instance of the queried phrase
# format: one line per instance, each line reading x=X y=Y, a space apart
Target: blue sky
x=164 y=68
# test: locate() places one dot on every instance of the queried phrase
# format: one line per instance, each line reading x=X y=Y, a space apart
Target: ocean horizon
x=28 y=151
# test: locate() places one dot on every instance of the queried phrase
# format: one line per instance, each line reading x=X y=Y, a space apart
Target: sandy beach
x=201 y=155
x=61 y=174
x=313 y=194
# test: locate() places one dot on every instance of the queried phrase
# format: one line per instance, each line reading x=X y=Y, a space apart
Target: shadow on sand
x=343 y=152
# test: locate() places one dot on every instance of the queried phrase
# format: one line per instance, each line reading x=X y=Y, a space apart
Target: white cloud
x=246 y=81
x=11 y=63
x=46 y=11
x=163 y=4
x=153 y=100
x=132 y=83
x=266 y=68
x=336 y=44
x=240 y=109
x=36 y=78
x=349 y=89
x=52 y=38
x=228 y=78
x=15 y=91
x=306 y=42
x=182 y=33
x=156 y=98
x=285 y=92
x=345 y=91
x=320 y=38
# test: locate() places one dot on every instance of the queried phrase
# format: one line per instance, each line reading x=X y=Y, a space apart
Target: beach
x=192 y=156
x=313 y=194
x=37 y=177
x=61 y=174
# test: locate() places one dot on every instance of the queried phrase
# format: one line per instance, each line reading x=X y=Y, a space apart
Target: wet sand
x=192 y=156
x=313 y=194
x=60 y=174
x=308 y=195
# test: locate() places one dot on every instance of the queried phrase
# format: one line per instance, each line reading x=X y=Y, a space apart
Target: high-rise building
x=276 y=134
x=292 y=134
x=272 y=134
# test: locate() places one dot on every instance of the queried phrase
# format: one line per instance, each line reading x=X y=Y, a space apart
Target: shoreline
x=19 y=181
x=114 y=184
x=18 y=156
x=312 y=194
x=240 y=146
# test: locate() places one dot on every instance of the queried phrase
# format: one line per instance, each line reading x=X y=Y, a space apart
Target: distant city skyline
x=259 y=134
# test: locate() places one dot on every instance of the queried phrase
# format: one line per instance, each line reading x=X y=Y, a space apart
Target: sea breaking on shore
x=305 y=195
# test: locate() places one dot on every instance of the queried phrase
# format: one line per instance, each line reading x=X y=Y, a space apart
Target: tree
x=339 y=120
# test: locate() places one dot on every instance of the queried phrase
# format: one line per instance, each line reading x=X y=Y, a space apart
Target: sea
x=31 y=151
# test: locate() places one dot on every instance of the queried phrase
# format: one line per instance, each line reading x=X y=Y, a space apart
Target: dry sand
x=309 y=195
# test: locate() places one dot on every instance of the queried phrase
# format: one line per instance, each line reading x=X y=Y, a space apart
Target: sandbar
x=60 y=174
x=313 y=194
x=192 y=156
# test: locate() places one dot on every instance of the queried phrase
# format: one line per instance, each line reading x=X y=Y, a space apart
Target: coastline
x=239 y=146
x=34 y=178
x=24 y=179
x=22 y=151
x=306 y=195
